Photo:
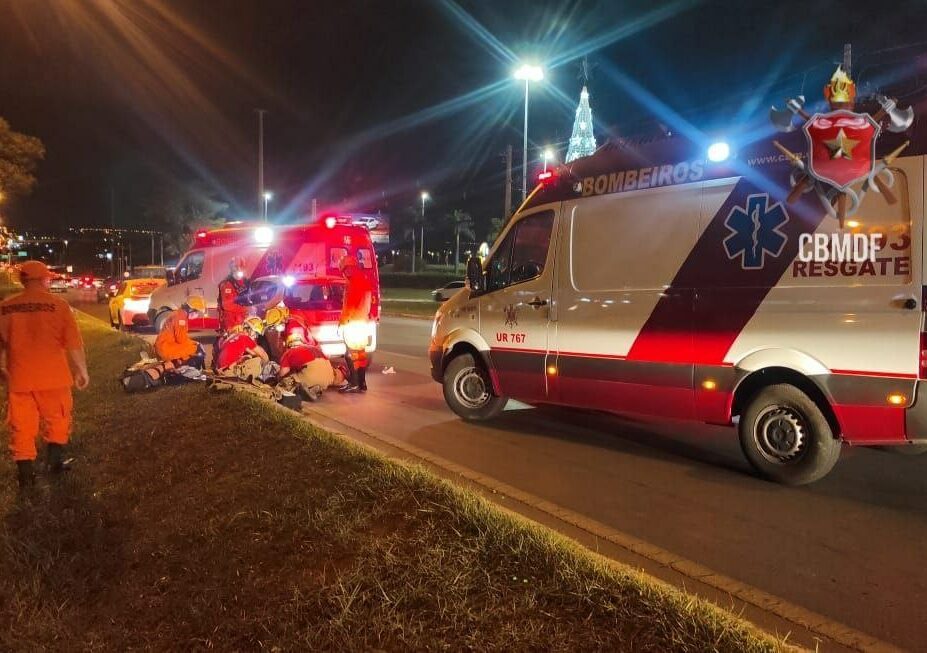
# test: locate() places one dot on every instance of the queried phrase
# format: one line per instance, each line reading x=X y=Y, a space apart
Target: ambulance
x=759 y=285
x=293 y=265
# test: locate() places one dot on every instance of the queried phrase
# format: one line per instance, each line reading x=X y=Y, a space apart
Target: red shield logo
x=841 y=147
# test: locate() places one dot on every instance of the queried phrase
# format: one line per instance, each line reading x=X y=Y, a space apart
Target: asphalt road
x=850 y=547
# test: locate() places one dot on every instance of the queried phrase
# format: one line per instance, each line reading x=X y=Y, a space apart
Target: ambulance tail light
x=922 y=357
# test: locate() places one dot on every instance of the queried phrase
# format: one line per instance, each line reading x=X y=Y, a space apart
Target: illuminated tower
x=582 y=141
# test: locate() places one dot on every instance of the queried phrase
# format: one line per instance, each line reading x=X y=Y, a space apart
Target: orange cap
x=34 y=270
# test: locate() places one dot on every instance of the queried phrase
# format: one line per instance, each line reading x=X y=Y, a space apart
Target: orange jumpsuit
x=174 y=342
x=230 y=313
x=358 y=300
x=36 y=332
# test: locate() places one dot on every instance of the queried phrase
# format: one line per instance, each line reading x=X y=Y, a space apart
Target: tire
x=468 y=390
x=160 y=319
x=786 y=437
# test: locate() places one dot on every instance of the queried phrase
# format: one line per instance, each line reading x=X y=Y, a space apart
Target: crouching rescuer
x=174 y=344
x=355 y=313
x=40 y=345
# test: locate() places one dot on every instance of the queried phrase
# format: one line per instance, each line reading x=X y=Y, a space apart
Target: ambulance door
x=515 y=308
x=623 y=321
x=194 y=279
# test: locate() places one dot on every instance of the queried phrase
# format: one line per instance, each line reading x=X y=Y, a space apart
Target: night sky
x=368 y=102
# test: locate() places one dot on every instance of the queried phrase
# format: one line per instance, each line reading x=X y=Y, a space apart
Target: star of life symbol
x=511 y=316
x=755 y=231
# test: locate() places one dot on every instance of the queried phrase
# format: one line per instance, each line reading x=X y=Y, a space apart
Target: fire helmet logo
x=511 y=316
x=755 y=231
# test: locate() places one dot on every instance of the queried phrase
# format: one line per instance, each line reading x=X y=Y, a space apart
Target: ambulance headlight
x=289 y=280
x=719 y=151
x=264 y=235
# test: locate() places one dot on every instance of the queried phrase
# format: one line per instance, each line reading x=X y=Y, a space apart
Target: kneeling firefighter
x=305 y=362
x=355 y=314
x=238 y=344
x=174 y=344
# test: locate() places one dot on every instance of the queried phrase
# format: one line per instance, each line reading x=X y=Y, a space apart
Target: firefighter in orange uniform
x=38 y=340
x=232 y=314
x=174 y=344
x=355 y=315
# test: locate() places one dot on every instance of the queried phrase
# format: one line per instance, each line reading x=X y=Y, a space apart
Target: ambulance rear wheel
x=468 y=390
x=786 y=437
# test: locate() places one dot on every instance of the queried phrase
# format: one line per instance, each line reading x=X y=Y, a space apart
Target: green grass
x=197 y=520
x=394 y=304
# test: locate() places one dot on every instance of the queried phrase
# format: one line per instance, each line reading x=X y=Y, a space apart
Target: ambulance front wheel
x=786 y=437
x=468 y=390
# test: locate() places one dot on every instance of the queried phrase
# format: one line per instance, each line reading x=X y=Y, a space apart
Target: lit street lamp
x=548 y=155
x=267 y=197
x=529 y=73
x=425 y=197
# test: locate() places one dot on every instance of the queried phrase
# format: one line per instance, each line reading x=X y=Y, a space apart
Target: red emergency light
x=546 y=176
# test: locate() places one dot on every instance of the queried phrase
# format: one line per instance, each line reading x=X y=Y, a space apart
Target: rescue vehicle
x=296 y=265
x=649 y=279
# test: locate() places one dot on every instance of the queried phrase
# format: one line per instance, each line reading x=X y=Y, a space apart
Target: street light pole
x=260 y=113
x=529 y=73
x=267 y=197
x=524 y=150
x=425 y=196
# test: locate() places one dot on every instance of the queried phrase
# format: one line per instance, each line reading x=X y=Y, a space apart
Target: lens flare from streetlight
x=425 y=196
x=530 y=73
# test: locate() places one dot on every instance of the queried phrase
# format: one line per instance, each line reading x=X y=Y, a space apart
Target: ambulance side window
x=497 y=272
x=523 y=253
x=191 y=267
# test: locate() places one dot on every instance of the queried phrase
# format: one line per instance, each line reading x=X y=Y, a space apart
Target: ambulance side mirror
x=475 y=275
x=171 y=279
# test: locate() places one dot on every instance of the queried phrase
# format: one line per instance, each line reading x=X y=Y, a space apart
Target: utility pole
x=152 y=248
x=847 y=59
x=260 y=113
x=508 y=183
x=162 y=250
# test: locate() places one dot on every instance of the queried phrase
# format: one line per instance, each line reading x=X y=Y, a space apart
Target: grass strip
x=198 y=520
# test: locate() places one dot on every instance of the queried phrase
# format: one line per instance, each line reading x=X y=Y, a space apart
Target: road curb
x=812 y=622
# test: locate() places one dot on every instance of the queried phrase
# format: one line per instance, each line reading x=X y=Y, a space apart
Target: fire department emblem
x=841 y=147
x=511 y=316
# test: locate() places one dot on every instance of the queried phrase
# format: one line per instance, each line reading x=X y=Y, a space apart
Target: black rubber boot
x=26 y=472
x=362 y=379
x=57 y=463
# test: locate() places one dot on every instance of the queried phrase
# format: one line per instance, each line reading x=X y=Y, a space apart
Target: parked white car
x=444 y=293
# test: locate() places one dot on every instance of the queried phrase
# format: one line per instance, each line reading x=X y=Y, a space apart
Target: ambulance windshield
x=315 y=296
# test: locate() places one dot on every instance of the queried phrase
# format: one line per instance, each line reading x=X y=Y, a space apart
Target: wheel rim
x=781 y=434
x=470 y=388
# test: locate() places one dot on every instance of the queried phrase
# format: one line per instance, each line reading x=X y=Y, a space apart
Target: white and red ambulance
x=649 y=279
x=293 y=264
